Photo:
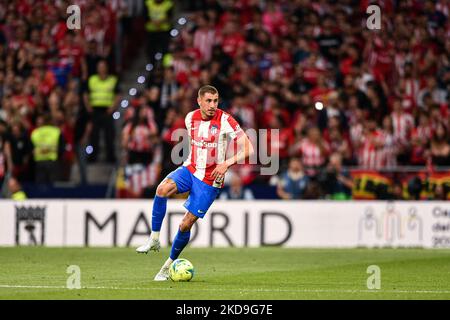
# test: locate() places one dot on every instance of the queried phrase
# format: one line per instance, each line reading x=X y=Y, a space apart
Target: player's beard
x=210 y=113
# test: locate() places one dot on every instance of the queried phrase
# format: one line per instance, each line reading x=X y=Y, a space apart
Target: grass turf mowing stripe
x=226 y=273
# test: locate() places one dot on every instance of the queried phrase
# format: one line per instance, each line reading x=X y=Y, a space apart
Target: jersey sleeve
x=187 y=122
x=233 y=129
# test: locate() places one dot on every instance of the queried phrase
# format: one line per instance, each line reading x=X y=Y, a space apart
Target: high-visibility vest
x=45 y=140
x=158 y=12
x=167 y=60
x=19 y=195
x=101 y=92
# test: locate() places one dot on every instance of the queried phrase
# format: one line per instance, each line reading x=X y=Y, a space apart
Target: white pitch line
x=230 y=290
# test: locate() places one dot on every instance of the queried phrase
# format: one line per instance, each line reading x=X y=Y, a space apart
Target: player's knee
x=163 y=190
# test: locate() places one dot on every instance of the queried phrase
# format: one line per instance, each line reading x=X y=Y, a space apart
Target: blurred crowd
x=340 y=94
x=45 y=69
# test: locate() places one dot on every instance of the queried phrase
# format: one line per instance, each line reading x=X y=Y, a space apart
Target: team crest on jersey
x=214 y=129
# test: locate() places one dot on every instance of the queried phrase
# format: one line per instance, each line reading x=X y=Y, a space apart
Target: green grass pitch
x=228 y=273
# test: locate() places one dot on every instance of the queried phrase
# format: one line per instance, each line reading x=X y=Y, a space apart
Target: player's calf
x=165 y=189
x=188 y=222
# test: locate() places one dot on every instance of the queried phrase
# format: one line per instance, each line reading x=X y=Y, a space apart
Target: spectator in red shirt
x=204 y=37
x=22 y=102
x=370 y=146
x=285 y=139
x=272 y=108
x=71 y=53
x=338 y=140
x=403 y=124
x=68 y=156
x=390 y=150
x=139 y=136
x=273 y=20
x=313 y=151
x=231 y=39
x=420 y=137
x=42 y=80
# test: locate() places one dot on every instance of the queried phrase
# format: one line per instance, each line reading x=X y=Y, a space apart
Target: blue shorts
x=202 y=195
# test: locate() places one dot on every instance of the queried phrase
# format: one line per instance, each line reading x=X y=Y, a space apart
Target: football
x=181 y=270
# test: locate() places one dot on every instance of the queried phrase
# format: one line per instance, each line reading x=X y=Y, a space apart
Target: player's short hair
x=207 y=89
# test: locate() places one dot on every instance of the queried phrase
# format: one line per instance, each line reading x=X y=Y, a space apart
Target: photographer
x=293 y=183
x=415 y=188
x=336 y=181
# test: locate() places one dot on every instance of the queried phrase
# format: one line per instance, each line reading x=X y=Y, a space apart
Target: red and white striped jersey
x=208 y=143
x=179 y=65
x=138 y=177
x=204 y=41
x=139 y=137
x=369 y=156
x=423 y=132
x=403 y=124
x=389 y=149
x=311 y=154
x=410 y=94
x=411 y=87
x=356 y=132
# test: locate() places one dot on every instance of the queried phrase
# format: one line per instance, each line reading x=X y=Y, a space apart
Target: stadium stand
x=376 y=102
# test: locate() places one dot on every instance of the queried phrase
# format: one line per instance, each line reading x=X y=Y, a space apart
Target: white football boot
x=163 y=274
x=151 y=244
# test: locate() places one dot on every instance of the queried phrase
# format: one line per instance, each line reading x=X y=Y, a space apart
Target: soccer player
x=202 y=173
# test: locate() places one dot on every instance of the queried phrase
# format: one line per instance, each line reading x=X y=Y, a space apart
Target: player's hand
x=219 y=172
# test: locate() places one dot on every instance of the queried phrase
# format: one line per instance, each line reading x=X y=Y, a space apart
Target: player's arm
x=244 y=150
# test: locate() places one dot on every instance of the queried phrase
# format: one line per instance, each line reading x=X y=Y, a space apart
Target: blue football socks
x=158 y=213
x=181 y=240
